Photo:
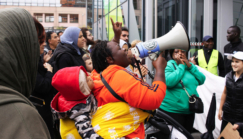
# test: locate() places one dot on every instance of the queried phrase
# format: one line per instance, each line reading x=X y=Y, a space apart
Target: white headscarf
x=122 y=42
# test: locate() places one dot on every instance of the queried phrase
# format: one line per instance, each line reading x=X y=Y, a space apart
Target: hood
x=107 y=74
x=66 y=81
x=70 y=36
x=19 y=54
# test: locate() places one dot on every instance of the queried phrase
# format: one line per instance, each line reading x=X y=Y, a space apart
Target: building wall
x=56 y=11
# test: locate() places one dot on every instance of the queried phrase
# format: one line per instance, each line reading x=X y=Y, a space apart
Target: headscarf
x=19 y=55
x=70 y=36
x=122 y=42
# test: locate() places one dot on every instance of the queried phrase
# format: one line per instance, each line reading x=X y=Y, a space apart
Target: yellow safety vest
x=212 y=65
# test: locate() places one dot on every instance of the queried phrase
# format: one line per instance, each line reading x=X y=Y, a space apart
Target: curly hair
x=99 y=54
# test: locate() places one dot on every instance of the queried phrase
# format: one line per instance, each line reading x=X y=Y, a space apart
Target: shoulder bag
x=195 y=103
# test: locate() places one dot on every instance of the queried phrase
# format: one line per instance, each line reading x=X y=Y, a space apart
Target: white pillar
x=149 y=32
x=208 y=17
x=225 y=20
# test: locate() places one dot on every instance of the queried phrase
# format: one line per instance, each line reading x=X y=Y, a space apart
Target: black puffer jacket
x=66 y=56
x=233 y=106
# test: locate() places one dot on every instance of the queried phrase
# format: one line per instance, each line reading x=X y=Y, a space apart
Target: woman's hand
x=117 y=28
x=159 y=64
x=235 y=127
x=184 y=60
x=47 y=56
x=220 y=114
x=48 y=67
x=178 y=59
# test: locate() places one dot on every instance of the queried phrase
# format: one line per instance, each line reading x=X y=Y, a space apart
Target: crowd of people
x=66 y=84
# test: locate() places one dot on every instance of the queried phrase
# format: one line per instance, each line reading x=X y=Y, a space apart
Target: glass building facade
x=238 y=14
x=119 y=10
x=199 y=20
x=132 y=14
x=148 y=19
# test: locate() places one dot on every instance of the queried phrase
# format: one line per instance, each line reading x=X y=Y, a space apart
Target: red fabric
x=66 y=81
x=131 y=88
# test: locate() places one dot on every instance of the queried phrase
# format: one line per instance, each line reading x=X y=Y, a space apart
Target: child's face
x=90 y=82
x=237 y=65
x=89 y=65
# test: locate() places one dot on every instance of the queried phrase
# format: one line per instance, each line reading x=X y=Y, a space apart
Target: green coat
x=176 y=99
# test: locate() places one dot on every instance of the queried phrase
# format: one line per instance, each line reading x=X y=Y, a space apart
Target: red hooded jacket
x=66 y=81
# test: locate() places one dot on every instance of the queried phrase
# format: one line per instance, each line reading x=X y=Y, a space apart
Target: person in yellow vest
x=209 y=58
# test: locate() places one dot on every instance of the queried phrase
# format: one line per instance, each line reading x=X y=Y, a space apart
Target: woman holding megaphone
x=176 y=101
x=119 y=113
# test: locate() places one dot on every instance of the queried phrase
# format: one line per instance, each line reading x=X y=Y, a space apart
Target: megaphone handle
x=153 y=56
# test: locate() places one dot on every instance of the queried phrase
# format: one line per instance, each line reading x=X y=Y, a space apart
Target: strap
x=110 y=89
x=182 y=84
x=138 y=66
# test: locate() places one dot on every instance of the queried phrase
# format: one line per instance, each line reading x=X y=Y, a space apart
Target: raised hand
x=117 y=28
x=47 y=56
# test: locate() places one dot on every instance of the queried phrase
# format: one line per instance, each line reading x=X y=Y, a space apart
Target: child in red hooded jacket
x=74 y=99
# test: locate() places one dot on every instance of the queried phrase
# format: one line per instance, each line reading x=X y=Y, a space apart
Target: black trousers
x=186 y=120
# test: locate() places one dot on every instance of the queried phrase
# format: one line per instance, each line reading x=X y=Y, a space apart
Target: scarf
x=70 y=36
x=19 y=55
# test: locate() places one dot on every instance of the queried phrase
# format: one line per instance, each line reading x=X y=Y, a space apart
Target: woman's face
x=237 y=65
x=42 y=46
x=81 y=40
x=179 y=54
x=89 y=35
x=119 y=54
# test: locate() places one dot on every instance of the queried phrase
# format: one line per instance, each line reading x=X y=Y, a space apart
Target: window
x=137 y=18
x=49 y=17
x=73 y=18
x=62 y=18
x=38 y=16
x=135 y=4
